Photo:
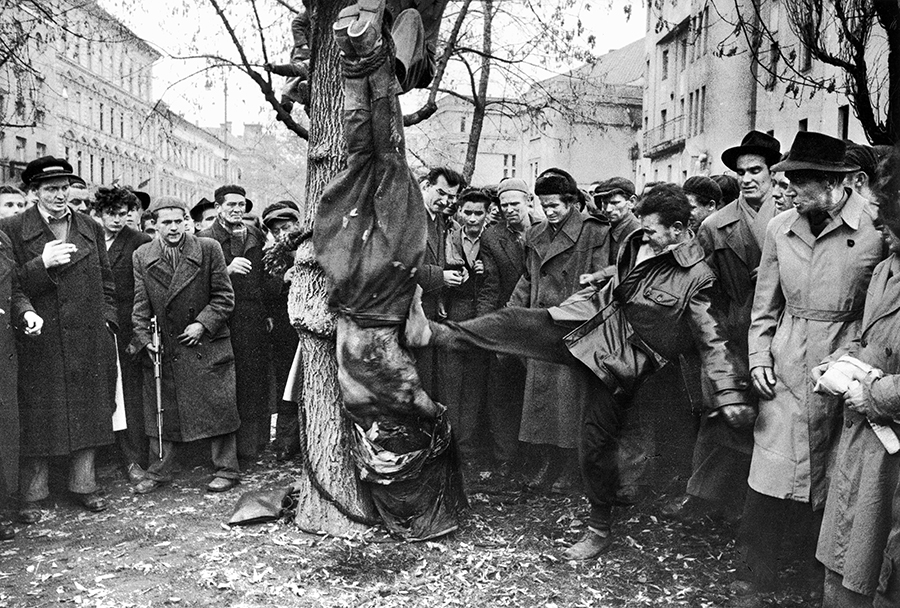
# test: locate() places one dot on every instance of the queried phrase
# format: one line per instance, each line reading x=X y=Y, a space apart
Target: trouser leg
x=224 y=456
x=287 y=427
x=82 y=476
x=160 y=469
x=525 y=332
x=34 y=478
x=601 y=426
x=506 y=388
x=636 y=446
x=763 y=526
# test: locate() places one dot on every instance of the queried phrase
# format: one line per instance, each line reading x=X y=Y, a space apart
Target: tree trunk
x=327 y=429
x=889 y=15
x=480 y=96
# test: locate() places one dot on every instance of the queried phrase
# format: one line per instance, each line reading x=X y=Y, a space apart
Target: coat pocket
x=660 y=297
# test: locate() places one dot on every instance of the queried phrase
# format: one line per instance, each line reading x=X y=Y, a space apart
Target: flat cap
x=513 y=184
x=615 y=185
x=703 y=188
x=46 y=167
x=168 y=202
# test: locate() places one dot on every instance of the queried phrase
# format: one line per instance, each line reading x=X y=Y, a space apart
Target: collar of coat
x=850 y=214
x=33 y=225
x=571 y=227
x=190 y=250
x=686 y=254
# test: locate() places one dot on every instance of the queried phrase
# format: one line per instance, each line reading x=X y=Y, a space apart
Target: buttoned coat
x=430 y=274
x=248 y=323
x=555 y=394
x=67 y=375
x=198 y=381
x=857 y=517
x=13 y=305
x=808 y=303
x=504 y=265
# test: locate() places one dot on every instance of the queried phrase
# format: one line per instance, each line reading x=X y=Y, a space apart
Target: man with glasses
x=243 y=246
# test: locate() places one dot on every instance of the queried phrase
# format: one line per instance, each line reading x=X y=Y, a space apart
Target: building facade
x=93 y=104
x=705 y=88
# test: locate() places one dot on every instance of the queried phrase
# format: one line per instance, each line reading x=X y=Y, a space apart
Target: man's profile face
x=439 y=195
x=754 y=177
x=658 y=236
x=231 y=209
x=554 y=208
x=171 y=224
x=206 y=219
x=780 y=186
x=616 y=206
x=53 y=195
x=699 y=210
x=11 y=204
x=113 y=220
x=514 y=206
x=809 y=190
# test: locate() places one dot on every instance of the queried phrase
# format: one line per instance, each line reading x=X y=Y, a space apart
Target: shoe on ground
x=30 y=512
x=221 y=484
x=7 y=532
x=590 y=546
x=136 y=473
x=147 y=485
x=93 y=502
x=744 y=594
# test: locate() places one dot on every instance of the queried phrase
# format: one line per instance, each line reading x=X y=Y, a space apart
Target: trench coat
x=13 y=305
x=198 y=388
x=722 y=453
x=808 y=303
x=248 y=323
x=67 y=375
x=555 y=394
x=857 y=517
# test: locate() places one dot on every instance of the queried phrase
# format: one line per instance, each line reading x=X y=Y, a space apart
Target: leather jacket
x=650 y=313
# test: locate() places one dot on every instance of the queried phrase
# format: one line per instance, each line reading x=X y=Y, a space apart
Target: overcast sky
x=202 y=102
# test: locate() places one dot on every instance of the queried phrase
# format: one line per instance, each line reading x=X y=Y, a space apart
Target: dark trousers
x=506 y=389
x=223 y=450
x=766 y=524
x=532 y=333
x=132 y=441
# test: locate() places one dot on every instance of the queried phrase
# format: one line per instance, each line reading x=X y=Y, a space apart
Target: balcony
x=665 y=138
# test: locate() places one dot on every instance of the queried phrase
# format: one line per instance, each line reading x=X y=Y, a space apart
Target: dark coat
x=857 y=517
x=13 y=304
x=504 y=265
x=555 y=394
x=248 y=323
x=618 y=235
x=67 y=375
x=120 y=261
x=430 y=274
x=198 y=382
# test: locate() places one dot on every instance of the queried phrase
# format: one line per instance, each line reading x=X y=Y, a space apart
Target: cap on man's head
x=864 y=156
x=754 y=142
x=704 y=188
x=556 y=181
x=77 y=182
x=143 y=198
x=279 y=214
x=168 y=202
x=615 y=185
x=813 y=151
x=44 y=168
x=513 y=184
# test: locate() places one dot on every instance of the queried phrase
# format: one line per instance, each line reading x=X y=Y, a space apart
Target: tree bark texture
x=480 y=94
x=327 y=430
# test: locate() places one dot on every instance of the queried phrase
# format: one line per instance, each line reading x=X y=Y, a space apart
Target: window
x=803 y=125
x=509 y=165
x=684 y=53
x=102 y=114
x=702 y=109
x=122 y=125
x=78 y=107
x=102 y=170
x=41 y=150
x=21 y=144
x=78 y=167
x=112 y=121
x=66 y=156
x=91 y=166
x=805 y=58
x=705 y=25
x=662 y=117
x=665 y=64
x=774 y=56
x=843 y=122
x=690 y=116
x=462 y=123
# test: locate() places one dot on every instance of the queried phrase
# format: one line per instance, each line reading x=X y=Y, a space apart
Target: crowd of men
x=150 y=324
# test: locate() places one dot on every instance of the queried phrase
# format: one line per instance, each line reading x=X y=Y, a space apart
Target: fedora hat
x=816 y=152
x=202 y=205
x=757 y=143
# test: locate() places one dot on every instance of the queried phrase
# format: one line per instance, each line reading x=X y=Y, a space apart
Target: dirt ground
x=172 y=548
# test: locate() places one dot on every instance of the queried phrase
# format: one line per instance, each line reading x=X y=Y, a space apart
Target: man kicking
x=659 y=305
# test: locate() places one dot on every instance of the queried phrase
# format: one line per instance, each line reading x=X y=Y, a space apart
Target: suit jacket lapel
x=117 y=248
x=188 y=267
x=35 y=232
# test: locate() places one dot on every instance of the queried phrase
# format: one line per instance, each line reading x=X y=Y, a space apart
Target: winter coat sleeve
x=141 y=313
x=221 y=293
x=521 y=295
x=768 y=304
x=884 y=395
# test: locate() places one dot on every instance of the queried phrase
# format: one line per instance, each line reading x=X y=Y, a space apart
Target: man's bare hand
x=240 y=265
x=57 y=253
x=738 y=416
x=763 y=379
x=478 y=267
x=455 y=278
x=192 y=334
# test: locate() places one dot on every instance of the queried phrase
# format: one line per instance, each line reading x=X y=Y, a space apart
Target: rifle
x=156 y=357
